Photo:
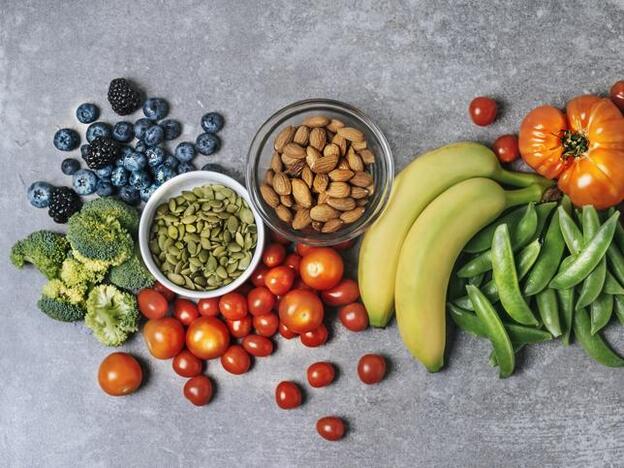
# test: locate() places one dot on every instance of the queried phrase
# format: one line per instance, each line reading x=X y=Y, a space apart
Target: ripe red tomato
x=293 y=261
x=164 y=337
x=260 y=301
x=208 y=307
x=277 y=237
x=207 y=337
x=169 y=295
x=285 y=332
x=273 y=255
x=240 y=328
x=321 y=374
x=371 y=368
x=236 y=360
x=233 y=306
x=354 y=317
x=120 y=374
x=256 y=345
x=314 y=338
x=259 y=274
x=152 y=304
x=279 y=280
x=617 y=94
x=266 y=325
x=288 y=395
x=483 y=110
x=331 y=428
x=343 y=293
x=506 y=148
x=185 y=311
x=186 y=364
x=322 y=268
x=198 y=390
x=304 y=249
x=301 y=311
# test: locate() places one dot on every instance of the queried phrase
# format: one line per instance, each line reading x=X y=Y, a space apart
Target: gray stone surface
x=413 y=66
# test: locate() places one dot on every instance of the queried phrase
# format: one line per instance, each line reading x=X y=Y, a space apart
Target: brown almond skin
x=361 y=179
x=320 y=183
x=341 y=175
x=342 y=204
x=341 y=143
x=302 y=135
x=359 y=145
x=332 y=225
x=355 y=162
x=368 y=157
x=269 y=195
x=281 y=184
x=325 y=164
x=334 y=125
x=359 y=192
x=287 y=201
x=302 y=219
x=307 y=176
x=331 y=150
x=284 y=213
x=323 y=213
x=318 y=138
x=338 y=190
x=312 y=155
x=352 y=215
x=301 y=193
x=351 y=134
x=276 y=162
x=316 y=121
x=295 y=151
x=284 y=137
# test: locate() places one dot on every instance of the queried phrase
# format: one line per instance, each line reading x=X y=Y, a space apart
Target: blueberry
x=98 y=129
x=119 y=162
x=84 y=150
x=39 y=194
x=171 y=161
x=87 y=113
x=155 y=156
x=123 y=131
x=125 y=151
x=154 y=135
x=141 y=147
x=147 y=192
x=163 y=174
x=104 y=173
x=140 y=126
x=155 y=108
x=140 y=180
x=207 y=143
x=129 y=195
x=69 y=166
x=185 y=151
x=66 y=139
x=119 y=177
x=84 y=182
x=184 y=167
x=135 y=162
x=104 y=188
x=212 y=122
x=173 y=129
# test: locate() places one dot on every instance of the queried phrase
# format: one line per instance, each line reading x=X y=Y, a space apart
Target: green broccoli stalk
x=76 y=273
x=62 y=302
x=131 y=274
x=112 y=314
x=46 y=250
x=110 y=209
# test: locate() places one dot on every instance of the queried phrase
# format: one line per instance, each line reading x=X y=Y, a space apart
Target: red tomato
x=304 y=249
x=321 y=374
x=483 y=110
x=343 y=293
x=346 y=245
x=273 y=255
x=506 y=148
x=285 y=332
x=207 y=337
x=322 y=268
x=277 y=237
x=185 y=311
x=266 y=325
x=301 y=311
x=152 y=304
x=293 y=261
x=186 y=364
x=256 y=345
x=164 y=337
x=371 y=368
x=314 y=338
x=120 y=374
x=233 y=306
x=236 y=360
x=259 y=274
x=169 y=295
x=208 y=307
x=617 y=94
x=354 y=317
x=198 y=390
x=240 y=328
x=260 y=301
x=331 y=428
x=279 y=280
x=288 y=395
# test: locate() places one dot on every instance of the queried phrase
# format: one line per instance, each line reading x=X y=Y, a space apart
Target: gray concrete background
x=413 y=67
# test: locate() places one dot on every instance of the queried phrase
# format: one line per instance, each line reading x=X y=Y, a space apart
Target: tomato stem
x=575 y=144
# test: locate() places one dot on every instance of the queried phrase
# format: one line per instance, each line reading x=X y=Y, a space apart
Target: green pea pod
x=600 y=312
x=494 y=328
x=619 y=232
x=588 y=258
x=570 y=231
x=619 y=308
x=612 y=285
x=456 y=287
x=543 y=211
x=493 y=362
x=616 y=262
x=566 y=305
x=594 y=283
x=506 y=278
x=482 y=241
x=594 y=345
x=476 y=280
x=549 y=310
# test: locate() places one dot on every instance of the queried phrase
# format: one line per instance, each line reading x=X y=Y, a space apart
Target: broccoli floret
x=58 y=309
x=112 y=314
x=57 y=289
x=46 y=250
x=76 y=273
x=131 y=274
x=98 y=266
x=111 y=209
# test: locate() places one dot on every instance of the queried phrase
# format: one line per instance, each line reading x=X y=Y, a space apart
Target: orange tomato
x=301 y=311
x=321 y=268
x=164 y=337
x=120 y=374
x=207 y=337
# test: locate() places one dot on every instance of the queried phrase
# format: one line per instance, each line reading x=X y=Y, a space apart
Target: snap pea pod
x=612 y=285
x=619 y=232
x=543 y=213
x=506 y=278
x=600 y=312
x=594 y=283
x=594 y=345
x=566 y=303
x=476 y=280
x=616 y=262
x=483 y=239
x=570 y=231
x=494 y=328
x=493 y=362
x=619 y=308
x=456 y=287
x=549 y=310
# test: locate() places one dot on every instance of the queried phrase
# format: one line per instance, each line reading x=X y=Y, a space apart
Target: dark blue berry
x=185 y=151
x=140 y=126
x=104 y=188
x=171 y=161
x=212 y=122
x=69 y=166
x=129 y=195
x=155 y=108
x=147 y=192
x=184 y=167
x=125 y=151
x=123 y=131
x=135 y=162
x=119 y=177
x=84 y=150
x=66 y=139
x=173 y=129
x=98 y=129
x=140 y=147
x=39 y=194
x=155 y=156
x=163 y=174
x=87 y=113
x=154 y=135
x=140 y=180
x=207 y=143
x=104 y=173
x=84 y=182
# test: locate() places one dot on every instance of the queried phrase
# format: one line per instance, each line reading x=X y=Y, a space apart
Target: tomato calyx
x=574 y=144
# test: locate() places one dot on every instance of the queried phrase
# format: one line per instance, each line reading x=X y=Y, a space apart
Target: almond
x=352 y=215
x=295 y=169
x=316 y=121
x=307 y=176
x=320 y=183
x=331 y=150
x=301 y=193
x=368 y=157
x=302 y=219
x=287 y=201
x=371 y=189
x=340 y=175
x=312 y=154
x=350 y=133
x=332 y=225
x=295 y=151
x=343 y=164
x=302 y=135
x=341 y=143
x=359 y=145
x=323 y=213
x=268 y=178
x=361 y=179
x=283 y=213
x=325 y=164
x=269 y=196
x=284 y=137
x=287 y=160
x=276 y=162
x=338 y=189
x=318 y=138
x=362 y=202
x=359 y=192
x=355 y=162
x=322 y=198
x=317 y=226
x=334 y=125
x=281 y=184
x=342 y=204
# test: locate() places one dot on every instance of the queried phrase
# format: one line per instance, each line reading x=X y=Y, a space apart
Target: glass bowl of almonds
x=319 y=172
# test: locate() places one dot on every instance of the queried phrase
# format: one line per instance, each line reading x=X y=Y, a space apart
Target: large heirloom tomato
x=583 y=148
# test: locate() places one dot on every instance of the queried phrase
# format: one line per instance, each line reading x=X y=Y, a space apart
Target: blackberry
x=102 y=152
x=123 y=97
x=64 y=202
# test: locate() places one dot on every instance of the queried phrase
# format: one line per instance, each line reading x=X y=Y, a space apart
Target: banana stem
x=532 y=193
x=521 y=179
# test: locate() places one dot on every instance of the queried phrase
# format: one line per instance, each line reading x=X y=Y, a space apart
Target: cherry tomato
x=233 y=306
x=198 y=390
x=354 y=317
x=285 y=332
x=617 y=94
x=185 y=311
x=240 y=328
x=506 y=148
x=288 y=395
x=169 y=294
x=277 y=237
x=371 y=368
x=279 y=280
x=208 y=307
x=207 y=337
x=152 y=304
x=266 y=325
x=120 y=374
x=321 y=374
x=186 y=364
x=301 y=311
x=244 y=288
x=322 y=268
x=164 y=337
x=236 y=360
x=259 y=274
x=293 y=261
x=314 y=338
x=273 y=255
x=483 y=110
x=345 y=245
x=256 y=345
x=260 y=301
x=331 y=428
x=343 y=293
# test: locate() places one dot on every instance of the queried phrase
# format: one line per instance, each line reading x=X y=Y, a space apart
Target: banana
x=415 y=187
x=429 y=252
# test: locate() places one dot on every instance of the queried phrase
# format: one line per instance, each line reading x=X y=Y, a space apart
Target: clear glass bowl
x=261 y=151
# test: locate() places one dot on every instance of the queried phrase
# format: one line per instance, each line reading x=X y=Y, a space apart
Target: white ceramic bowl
x=173 y=188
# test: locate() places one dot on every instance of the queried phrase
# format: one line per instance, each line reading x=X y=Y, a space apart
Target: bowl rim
x=147 y=215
